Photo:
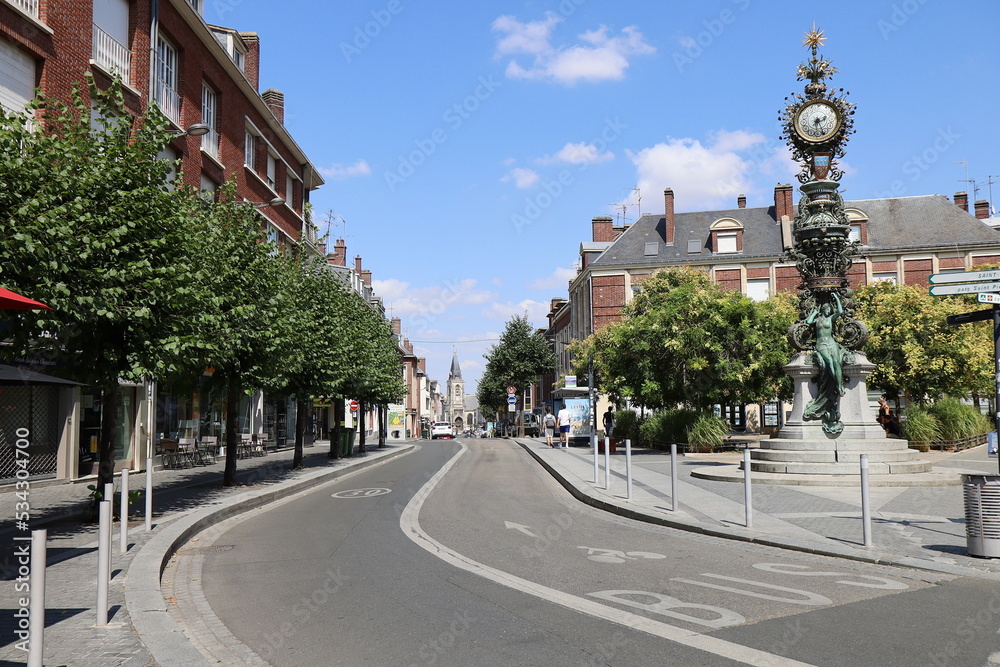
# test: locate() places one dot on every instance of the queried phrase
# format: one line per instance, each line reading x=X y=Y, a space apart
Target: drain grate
x=204 y=551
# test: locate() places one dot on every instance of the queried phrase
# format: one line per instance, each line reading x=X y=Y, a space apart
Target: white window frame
x=289 y=189
x=886 y=277
x=209 y=115
x=166 y=76
x=726 y=242
x=272 y=170
x=250 y=149
x=755 y=293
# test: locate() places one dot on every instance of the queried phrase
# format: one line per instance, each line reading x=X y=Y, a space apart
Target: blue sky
x=467 y=145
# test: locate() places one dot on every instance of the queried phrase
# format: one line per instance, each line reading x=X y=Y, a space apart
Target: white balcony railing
x=168 y=100
x=111 y=55
x=29 y=7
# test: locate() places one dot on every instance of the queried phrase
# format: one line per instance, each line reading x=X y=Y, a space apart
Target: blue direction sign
x=964 y=288
x=511 y=400
x=965 y=277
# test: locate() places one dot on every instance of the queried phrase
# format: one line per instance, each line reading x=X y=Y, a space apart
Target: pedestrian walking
x=564 y=422
x=609 y=421
x=549 y=424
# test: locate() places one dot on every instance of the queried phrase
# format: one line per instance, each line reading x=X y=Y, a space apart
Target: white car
x=442 y=430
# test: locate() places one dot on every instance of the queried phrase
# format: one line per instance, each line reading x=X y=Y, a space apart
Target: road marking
x=796 y=570
x=410 y=525
x=522 y=528
x=812 y=599
x=360 y=493
x=612 y=556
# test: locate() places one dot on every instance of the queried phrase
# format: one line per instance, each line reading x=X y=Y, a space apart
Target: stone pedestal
x=803 y=447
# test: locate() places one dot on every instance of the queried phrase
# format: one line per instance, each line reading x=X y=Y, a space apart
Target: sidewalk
x=183 y=500
x=914 y=526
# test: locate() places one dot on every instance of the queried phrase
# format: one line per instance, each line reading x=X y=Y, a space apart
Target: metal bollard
x=593 y=445
x=673 y=477
x=103 y=562
x=149 y=493
x=628 y=469
x=607 y=463
x=748 y=498
x=36 y=602
x=123 y=513
x=866 y=513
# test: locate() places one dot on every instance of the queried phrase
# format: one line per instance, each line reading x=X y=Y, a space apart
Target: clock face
x=817 y=121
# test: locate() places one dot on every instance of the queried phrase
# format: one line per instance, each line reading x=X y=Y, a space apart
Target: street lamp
x=277 y=201
x=194 y=130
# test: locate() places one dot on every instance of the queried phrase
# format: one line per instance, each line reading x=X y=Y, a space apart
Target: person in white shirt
x=564 y=422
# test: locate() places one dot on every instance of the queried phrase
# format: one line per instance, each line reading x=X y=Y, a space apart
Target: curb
x=144 y=602
x=749 y=535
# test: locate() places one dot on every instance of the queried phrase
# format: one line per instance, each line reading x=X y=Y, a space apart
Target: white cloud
x=341 y=171
x=558 y=279
x=429 y=302
x=711 y=174
x=580 y=153
x=599 y=56
x=523 y=178
x=535 y=310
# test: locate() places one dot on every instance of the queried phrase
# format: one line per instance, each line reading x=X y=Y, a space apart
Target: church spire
x=456 y=370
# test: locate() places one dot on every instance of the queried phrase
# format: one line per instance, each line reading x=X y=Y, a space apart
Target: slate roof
x=896 y=224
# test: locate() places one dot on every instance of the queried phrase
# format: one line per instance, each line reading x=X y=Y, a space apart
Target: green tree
x=87 y=226
x=684 y=340
x=916 y=353
x=521 y=355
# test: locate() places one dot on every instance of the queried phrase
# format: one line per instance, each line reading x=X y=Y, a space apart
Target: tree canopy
x=521 y=355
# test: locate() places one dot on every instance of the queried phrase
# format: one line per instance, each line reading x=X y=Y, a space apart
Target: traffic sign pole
x=996 y=367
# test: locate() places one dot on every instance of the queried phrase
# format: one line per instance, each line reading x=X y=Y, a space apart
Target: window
x=210 y=141
x=651 y=249
x=208 y=187
x=110 y=37
x=289 y=189
x=17 y=77
x=759 y=289
x=854 y=234
x=725 y=242
x=694 y=245
x=170 y=156
x=165 y=84
x=250 y=149
x=272 y=168
x=886 y=277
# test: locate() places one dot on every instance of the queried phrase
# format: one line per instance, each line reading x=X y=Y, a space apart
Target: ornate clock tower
x=831 y=423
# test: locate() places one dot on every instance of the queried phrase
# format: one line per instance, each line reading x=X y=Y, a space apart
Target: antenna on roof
x=975 y=188
x=989 y=183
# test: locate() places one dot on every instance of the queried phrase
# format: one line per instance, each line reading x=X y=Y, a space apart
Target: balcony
x=210 y=143
x=110 y=55
x=168 y=100
x=29 y=7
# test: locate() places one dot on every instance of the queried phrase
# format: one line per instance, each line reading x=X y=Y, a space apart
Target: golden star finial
x=814 y=38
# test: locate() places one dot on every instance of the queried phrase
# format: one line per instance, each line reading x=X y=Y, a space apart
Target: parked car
x=442 y=430
x=532 y=425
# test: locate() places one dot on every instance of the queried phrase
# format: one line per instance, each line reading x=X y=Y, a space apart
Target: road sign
x=966 y=288
x=354 y=406
x=989 y=298
x=511 y=408
x=965 y=318
x=511 y=390
x=964 y=277
x=511 y=400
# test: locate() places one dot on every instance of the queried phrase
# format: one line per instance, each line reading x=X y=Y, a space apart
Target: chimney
x=668 y=212
x=275 y=101
x=322 y=248
x=357 y=263
x=603 y=229
x=251 y=61
x=741 y=201
x=962 y=201
x=397 y=326
x=783 y=202
x=422 y=365
x=339 y=253
x=407 y=346
x=366 y=277
x=982 y=209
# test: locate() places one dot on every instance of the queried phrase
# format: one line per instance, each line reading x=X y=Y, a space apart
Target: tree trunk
x=300 y=433
x=381 y=425
x=362 y=407
x=232 y=430
x=338 y=408
x=110 y=401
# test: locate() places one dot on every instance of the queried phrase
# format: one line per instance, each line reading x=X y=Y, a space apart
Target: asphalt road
x=473 y=556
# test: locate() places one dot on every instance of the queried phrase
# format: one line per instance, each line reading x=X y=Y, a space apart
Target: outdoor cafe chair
x=208 y=449
x=245 y=446
x=187 y=451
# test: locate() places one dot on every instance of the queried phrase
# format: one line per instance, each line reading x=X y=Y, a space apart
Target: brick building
x=905 y=239
x=204 y=79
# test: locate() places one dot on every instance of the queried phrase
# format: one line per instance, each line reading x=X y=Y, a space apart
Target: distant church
x=454 y=402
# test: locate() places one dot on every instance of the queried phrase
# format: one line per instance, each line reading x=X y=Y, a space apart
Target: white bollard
x=36 y=602
x=593 y=445
x=123 y=513
x=673 y=477
x=866 y=513
x=628 y=469
x=748 y=498
x=103 y=562
x=607 y=463
x=149 y=493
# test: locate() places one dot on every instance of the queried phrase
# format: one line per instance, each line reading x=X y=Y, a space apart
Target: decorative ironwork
x=816 y=125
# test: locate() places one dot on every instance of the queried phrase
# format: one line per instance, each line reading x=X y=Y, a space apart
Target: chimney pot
x=741 y=201
x=603 y=230
x=357 y=263
x=275 y=101
x=962 y=201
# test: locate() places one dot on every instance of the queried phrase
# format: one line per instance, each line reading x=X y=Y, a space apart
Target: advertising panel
x=579 y=409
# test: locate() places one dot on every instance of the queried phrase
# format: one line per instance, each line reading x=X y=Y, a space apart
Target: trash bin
x=982 y=514
x=347 y=442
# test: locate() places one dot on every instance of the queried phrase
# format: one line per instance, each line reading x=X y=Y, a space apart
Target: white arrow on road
x=517 y=526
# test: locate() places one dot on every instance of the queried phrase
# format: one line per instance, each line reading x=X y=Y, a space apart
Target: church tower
x=455 y=402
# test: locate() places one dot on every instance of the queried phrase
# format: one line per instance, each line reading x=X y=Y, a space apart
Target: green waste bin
x=347 y=442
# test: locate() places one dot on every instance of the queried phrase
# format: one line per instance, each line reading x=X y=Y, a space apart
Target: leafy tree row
x=521 y=355
x=151 y=282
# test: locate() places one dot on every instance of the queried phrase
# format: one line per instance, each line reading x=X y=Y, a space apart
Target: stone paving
x=71 y=635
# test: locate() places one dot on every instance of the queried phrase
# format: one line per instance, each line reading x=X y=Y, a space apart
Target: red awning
x=14 y=301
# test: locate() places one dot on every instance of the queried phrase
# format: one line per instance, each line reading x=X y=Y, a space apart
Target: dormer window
x=859 y=225
x=727 y=236
x=232 y=44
